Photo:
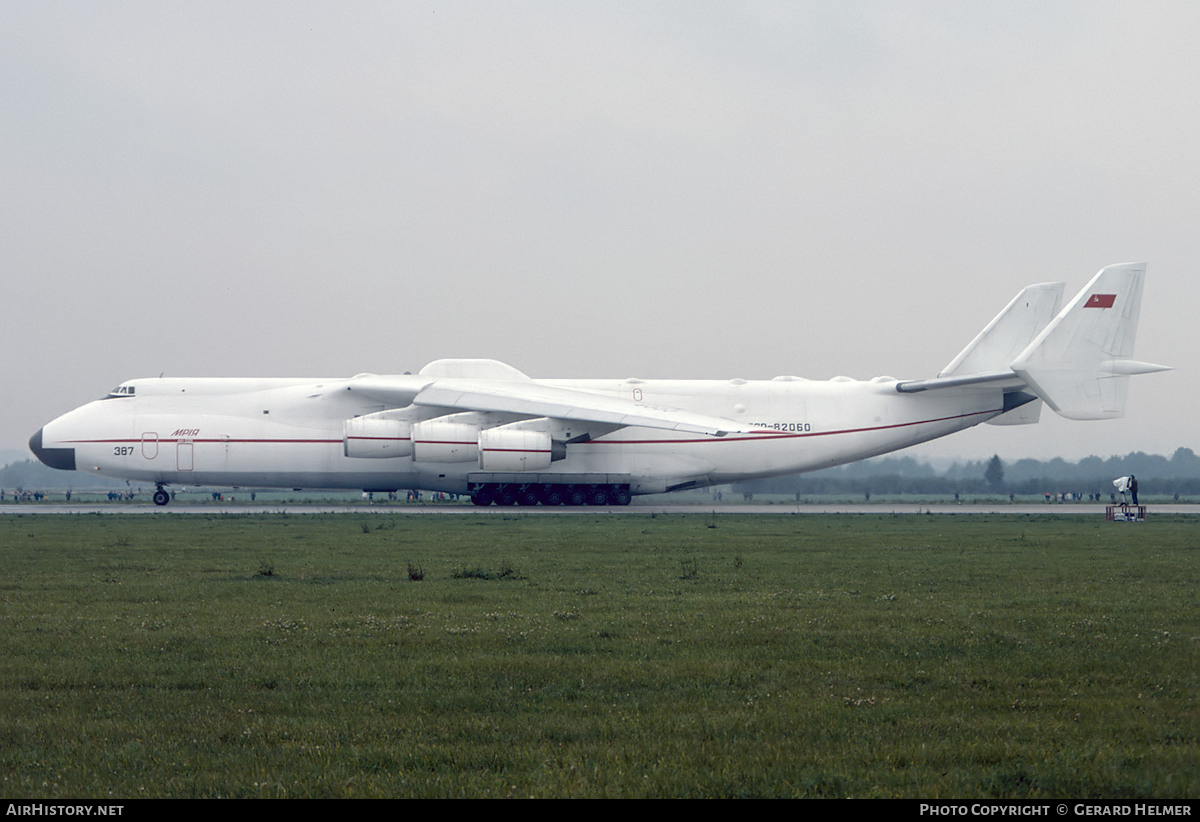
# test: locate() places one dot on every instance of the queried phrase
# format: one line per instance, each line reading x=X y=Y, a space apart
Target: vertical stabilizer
x=1006 y=336
x=1079 y=363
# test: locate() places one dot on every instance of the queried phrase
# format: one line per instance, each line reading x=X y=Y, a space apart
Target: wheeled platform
x=1125 y=513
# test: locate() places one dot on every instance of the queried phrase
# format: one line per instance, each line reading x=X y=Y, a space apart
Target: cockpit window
x=122 y=391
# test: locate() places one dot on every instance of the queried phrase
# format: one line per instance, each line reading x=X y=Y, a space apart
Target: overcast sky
x=588 y=189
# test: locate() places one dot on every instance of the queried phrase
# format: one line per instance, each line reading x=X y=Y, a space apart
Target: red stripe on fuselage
x=780 y=435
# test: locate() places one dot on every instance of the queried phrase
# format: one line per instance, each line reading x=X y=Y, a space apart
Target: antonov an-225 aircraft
x=483 y=428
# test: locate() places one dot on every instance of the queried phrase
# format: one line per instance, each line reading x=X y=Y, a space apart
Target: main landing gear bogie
x=539 y=494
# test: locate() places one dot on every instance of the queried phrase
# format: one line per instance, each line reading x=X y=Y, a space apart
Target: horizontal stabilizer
x=915 y=386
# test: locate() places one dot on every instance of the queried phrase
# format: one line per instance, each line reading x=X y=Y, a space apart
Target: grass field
x=608 y=655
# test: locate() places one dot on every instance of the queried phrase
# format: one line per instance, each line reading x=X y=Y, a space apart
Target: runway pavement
x=1080 y=509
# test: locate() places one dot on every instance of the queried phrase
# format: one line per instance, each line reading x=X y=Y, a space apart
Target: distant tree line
x=1177 y=474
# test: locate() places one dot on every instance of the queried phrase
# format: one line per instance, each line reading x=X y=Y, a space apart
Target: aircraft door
x=150 y=445
x=183 y=455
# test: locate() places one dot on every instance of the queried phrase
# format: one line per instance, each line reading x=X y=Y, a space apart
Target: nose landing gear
x=161 y=497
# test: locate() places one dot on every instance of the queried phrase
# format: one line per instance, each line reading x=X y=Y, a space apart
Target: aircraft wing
x=526 y=397
x=535 y=400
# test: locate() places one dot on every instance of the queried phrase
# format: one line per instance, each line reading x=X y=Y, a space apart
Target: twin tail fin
x=1077 y=360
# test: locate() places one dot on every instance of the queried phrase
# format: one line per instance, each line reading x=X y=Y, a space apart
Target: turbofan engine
x=522 y=446
x=376 y=438
x=518 y=449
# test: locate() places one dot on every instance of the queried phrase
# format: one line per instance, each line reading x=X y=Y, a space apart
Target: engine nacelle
x=375 y=438
x=515 y=449
x=441 y=440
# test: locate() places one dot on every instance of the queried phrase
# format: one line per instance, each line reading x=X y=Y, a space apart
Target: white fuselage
x=290 y=432
x=482 y=427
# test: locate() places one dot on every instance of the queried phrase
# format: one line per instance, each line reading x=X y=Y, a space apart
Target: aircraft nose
x=62 y=458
